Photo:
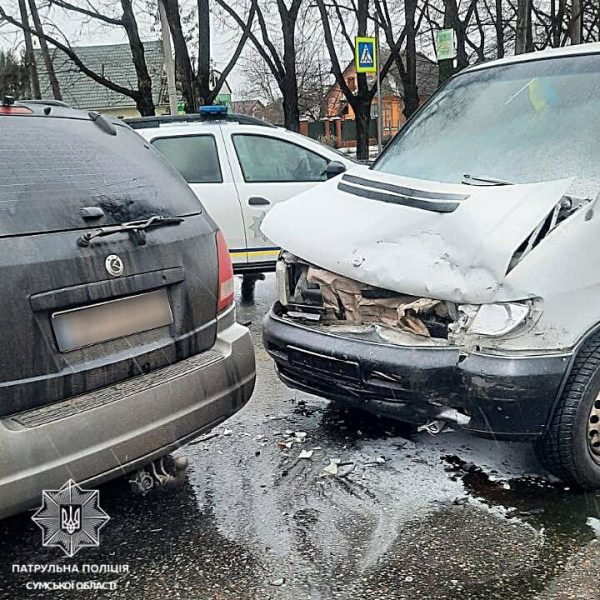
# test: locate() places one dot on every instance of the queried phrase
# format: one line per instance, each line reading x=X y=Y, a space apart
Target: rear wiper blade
x=136 y=227
x=477 y=180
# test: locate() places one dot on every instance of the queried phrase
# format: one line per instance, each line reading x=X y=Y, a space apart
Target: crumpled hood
x=444 y=241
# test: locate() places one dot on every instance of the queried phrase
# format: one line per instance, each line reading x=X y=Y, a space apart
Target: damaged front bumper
x=504 y=396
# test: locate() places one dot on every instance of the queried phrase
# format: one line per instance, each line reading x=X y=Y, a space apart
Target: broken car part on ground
x=445 y=291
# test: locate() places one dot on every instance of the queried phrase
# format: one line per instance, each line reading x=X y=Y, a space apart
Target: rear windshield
x=50 y=168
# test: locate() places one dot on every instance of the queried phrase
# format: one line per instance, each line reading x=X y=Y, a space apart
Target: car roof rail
x=48 y=102
x=150 y=122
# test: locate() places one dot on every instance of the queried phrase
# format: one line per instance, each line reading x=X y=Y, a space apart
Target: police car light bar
x=213 y=111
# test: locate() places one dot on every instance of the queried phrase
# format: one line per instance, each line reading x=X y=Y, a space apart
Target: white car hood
x=385 y=230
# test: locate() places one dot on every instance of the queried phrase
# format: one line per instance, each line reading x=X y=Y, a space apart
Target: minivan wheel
x=570 y=449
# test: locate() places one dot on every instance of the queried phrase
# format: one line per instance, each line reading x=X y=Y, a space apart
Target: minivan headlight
x=499 y=319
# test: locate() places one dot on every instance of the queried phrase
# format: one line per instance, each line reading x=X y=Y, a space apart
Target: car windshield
x=526 y=122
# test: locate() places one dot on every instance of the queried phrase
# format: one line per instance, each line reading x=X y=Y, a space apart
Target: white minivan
x=458 y=280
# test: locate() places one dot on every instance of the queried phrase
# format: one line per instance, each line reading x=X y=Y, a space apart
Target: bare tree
x=14 y=76
x=276 y=44
x=360 y=99
x=197 y=85
x=29 y=56
x=142 y=94
x=524 y=9
x=37 y=23
x=499 y=27
x=314 y=78
x=576 y=26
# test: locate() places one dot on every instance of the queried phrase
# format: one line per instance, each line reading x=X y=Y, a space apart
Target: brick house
x=392 y=103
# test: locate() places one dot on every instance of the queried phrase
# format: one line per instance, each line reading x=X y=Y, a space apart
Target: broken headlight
x=499 y=319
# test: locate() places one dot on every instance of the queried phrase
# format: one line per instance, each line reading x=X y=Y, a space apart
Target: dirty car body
x=117 y=321
x=459 y=277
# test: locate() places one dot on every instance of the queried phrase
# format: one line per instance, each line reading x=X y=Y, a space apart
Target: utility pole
x=379 y=115
x=169 y=62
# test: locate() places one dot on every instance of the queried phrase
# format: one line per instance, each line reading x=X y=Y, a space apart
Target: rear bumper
x=102 y=435
x=493 y=395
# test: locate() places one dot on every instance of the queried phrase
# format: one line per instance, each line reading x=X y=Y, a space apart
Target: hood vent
x=404 y=196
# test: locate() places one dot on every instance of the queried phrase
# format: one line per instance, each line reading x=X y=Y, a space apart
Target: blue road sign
x=366 y=55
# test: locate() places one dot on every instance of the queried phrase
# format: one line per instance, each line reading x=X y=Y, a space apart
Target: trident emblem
x=70 y=518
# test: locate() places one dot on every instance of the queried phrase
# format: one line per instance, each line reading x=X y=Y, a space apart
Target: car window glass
x=267 y=159
x=50 y=168
x=194 y=156
x=524 y=122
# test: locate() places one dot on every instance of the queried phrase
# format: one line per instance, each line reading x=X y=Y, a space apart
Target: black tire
x=249 y=283
x=564 y=450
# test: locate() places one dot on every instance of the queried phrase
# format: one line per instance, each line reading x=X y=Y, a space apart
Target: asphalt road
x=407 y=516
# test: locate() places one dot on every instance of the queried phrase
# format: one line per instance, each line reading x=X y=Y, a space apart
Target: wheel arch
x=586 y=338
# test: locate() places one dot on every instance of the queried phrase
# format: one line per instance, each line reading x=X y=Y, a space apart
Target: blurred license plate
x=111 y=320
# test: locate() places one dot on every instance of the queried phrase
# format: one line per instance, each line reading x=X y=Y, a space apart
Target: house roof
x=244 y=105
x=113 y=62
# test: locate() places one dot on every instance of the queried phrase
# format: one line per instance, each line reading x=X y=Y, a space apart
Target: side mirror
x=334 y=168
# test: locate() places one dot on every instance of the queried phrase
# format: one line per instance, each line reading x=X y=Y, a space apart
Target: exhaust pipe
x=166 y=471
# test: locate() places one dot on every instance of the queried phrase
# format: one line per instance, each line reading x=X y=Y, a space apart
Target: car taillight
x=225 y=297
x=15 y=110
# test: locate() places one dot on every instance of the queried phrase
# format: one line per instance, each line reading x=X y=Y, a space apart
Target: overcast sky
x=82 y=34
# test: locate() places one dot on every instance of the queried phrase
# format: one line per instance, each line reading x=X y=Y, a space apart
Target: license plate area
x=326 y=365
x=89 y=325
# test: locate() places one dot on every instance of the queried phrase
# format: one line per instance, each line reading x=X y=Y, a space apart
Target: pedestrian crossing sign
x=366 y=55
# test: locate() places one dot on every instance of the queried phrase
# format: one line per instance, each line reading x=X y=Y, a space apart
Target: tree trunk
x=289 y=89
x=204 y=52
x=409 y=82
x=362 y=116
x=144 y=100
x=446 y=67
x=183 y=65
x=34 y=82
x=499 y=25
x=362 y=102
x=37 y=24
x=558 y=23
x=575 y=27
x=523 y=34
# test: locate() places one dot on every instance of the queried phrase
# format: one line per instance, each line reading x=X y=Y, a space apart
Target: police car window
x=194 y=156
x=267 y=159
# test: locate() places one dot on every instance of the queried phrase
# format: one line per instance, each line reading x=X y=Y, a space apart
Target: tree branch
x=252 y=37
x=235 y=56
x=134 y=94
x=84 y=11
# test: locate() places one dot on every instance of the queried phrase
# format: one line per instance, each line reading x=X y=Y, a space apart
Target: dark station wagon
x=117 y=320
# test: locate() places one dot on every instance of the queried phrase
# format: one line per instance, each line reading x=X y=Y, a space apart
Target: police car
x=239 y=167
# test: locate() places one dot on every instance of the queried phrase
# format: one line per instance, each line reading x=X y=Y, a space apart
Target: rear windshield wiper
x=137 y=228
x=477 y=180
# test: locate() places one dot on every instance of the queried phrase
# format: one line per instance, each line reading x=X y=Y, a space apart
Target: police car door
x=201 y=159
x=268 y=168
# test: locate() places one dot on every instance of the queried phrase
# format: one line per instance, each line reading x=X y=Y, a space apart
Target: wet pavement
x=406 y=516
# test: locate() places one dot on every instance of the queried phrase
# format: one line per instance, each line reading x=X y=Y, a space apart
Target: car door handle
x=257 y=201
